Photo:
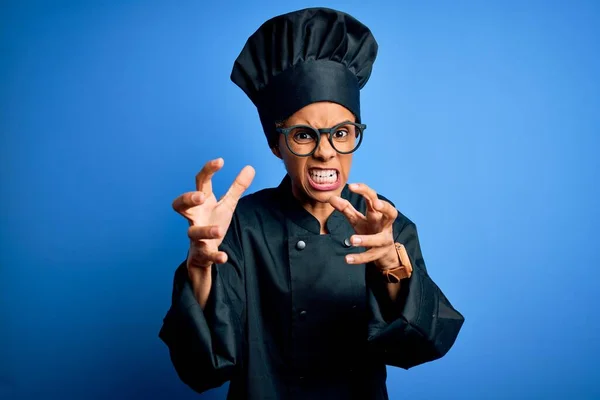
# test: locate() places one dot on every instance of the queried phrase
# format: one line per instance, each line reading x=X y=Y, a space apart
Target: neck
x=321 y=211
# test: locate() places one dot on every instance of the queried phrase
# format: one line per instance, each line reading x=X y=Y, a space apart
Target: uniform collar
x=297 y=214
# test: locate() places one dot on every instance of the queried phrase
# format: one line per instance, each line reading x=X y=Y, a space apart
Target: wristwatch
x=396 y=274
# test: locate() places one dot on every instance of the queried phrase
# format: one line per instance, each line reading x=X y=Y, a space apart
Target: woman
x=309 y=289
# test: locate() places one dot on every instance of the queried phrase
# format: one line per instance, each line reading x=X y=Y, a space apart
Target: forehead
x=321 y=115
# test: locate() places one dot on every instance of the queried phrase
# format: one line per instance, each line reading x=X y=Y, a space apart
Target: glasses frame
x=319 y=132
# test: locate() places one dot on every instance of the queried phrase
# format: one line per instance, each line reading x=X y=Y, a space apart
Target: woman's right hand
x=209 y=219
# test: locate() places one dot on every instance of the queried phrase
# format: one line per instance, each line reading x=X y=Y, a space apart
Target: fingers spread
x=376 y=208
x=371 y=255
x=187 y=201
x=388 y=211
x=344 y=206
x=239 y=186
x=196 y=233
x=381 y=239
x=203 y=178
x=369 y=194
x=220 y=257
x=199 y=258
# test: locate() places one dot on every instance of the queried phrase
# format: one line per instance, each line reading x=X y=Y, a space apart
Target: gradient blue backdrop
x=483 y=128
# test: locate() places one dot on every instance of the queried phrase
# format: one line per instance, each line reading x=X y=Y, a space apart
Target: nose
x=324 y=151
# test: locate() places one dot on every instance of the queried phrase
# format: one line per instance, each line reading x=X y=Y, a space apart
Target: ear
x=276 y=152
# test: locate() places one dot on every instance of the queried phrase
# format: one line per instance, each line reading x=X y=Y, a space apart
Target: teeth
x=323 y=176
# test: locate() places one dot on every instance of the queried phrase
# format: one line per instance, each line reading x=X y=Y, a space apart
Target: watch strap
x=396 y=274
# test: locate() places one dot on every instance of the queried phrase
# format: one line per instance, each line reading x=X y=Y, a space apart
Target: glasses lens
x=346 y=138
x=302 y=140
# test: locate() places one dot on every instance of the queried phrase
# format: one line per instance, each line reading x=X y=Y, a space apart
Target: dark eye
x=340 y=134
x=303 y=136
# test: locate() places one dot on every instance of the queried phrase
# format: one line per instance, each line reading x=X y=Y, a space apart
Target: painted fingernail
x=356 y=240
x=349 y=259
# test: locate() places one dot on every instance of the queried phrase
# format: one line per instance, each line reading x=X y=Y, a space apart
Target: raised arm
x=203 y=327
x=420 y=325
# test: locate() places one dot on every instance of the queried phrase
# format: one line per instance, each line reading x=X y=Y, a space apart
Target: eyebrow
x=323 y=127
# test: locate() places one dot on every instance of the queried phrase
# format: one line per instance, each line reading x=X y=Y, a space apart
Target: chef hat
x=310 y=55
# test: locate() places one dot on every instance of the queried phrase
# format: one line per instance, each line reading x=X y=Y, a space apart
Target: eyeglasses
x=303 y=140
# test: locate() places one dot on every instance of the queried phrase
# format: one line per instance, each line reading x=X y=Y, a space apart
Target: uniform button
x=347 y=242
x=300 y=245
x=354 y=307
x=303 y=314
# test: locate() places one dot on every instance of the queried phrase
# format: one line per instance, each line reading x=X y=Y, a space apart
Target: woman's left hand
x=374 y=230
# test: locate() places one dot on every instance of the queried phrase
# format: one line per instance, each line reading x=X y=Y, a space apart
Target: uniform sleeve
x=206 y=345
x=422 y=325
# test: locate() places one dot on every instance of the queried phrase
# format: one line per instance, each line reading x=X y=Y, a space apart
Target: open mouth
x=323 y=179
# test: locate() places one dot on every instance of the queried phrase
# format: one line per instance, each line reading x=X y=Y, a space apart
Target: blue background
x=484 y=124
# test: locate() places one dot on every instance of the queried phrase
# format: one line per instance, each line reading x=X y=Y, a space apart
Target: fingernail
x=197 y=197
x=378 y=204
x=349 y=259
x=356 y=240
x=353 y=186
x=214 y=231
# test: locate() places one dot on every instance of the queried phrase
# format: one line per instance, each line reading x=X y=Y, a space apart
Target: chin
x=322 y=196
